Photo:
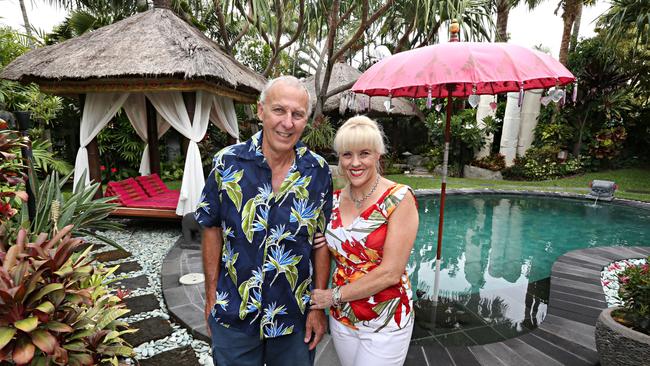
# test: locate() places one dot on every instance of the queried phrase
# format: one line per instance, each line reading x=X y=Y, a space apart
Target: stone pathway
x=158 y=341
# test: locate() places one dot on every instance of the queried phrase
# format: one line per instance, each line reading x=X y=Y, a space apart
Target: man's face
x=284 y=117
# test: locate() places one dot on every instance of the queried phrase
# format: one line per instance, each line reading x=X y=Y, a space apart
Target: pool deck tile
x=565 y=337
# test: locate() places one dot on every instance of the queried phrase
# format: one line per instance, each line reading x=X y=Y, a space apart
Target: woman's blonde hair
x=359 y=132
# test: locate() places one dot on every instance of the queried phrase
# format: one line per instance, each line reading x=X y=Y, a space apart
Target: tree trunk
x=576 y=27
x=568 y=17
x=503 y=10
x=28 y=27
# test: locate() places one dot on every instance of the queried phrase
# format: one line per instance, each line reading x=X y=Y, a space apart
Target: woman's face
x=359 y=165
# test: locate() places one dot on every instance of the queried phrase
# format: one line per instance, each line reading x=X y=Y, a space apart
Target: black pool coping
x=565 y=337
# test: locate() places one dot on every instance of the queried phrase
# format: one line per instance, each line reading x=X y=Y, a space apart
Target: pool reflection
x=497 y=254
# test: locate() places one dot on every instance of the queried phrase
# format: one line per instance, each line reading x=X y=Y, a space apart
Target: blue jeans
x=232 y=347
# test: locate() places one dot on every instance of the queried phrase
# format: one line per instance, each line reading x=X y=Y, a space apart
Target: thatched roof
x=153 y=50
x=344 y=74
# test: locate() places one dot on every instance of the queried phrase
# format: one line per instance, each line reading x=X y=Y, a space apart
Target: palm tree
x=571 y=12
x=625 y=15
x=28 y=27
x=503 y=11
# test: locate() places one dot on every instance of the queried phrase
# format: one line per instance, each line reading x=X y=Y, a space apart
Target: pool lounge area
x=561 y=332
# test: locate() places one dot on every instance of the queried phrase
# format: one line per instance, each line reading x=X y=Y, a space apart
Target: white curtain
x=136 y=109
x=98 y=110
x=171 y=107
x=223 y=115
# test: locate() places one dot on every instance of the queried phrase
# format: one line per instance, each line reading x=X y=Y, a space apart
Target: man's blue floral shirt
x=264 y=284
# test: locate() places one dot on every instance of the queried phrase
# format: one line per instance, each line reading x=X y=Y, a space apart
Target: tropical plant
x=54 y=211
x=56 y=307
x=319 y=137
x=634 y=292
x=493 y=162
x=44 y=159
x=42 y=107
x=11 y=175
x=119 y=144
x=627 y=16
x=608 y=143
x=468 y=136
x=543 y=163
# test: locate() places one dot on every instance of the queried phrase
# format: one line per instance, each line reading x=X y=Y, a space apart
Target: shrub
x=56 y=308
x=542 y=163
x=494 y=162
x=634 y=292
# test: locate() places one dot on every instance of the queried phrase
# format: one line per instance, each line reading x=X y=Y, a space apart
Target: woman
x=371 y=233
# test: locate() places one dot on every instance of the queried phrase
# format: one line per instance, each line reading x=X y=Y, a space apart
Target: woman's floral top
x=357 y=250
x=265 y=280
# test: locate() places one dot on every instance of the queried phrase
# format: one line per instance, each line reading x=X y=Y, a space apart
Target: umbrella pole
x=443 y=189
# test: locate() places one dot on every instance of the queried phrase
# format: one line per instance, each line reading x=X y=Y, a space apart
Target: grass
x=633 y=183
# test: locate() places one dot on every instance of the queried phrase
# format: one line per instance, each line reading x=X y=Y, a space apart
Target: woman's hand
x=319 y=241
x=321 y=299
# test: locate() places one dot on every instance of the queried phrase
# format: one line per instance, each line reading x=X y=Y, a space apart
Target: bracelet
x=336 y=296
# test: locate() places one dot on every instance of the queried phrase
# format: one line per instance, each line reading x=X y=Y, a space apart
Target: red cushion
x=127 y=190
x=152 y=184
x=155 y=203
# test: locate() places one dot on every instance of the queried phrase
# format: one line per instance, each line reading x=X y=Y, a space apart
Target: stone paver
x=182 y=356
x=132 y=283
x=141 y=304
x=112 y=255
x=127 y=267
x=148 y=330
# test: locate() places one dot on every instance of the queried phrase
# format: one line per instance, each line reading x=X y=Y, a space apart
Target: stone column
x=529 y=113
x=483 y=111
x=510 y=133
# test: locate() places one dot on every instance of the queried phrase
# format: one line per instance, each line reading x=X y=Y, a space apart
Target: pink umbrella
x=460 y=69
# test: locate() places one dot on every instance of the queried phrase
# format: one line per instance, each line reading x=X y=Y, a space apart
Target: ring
x=311 y=302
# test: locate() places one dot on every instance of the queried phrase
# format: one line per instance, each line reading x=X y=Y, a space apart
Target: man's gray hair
x=291 y=81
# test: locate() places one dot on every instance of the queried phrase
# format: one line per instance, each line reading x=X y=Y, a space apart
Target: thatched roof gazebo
x=344 y=74
x=150 y=51
x=161 y=70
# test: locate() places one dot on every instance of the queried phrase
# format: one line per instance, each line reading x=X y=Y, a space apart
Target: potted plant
x=623 y=333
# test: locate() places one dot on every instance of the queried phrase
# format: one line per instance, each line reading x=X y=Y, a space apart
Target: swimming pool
x=497 y=255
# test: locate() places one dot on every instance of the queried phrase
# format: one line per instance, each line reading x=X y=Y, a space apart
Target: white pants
x=358 y=348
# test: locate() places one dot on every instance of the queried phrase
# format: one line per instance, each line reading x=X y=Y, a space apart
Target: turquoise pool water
x=497 y=255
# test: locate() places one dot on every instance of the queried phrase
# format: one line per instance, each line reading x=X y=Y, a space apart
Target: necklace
x=358 y=202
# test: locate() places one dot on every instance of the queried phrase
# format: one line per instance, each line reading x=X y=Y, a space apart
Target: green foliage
x=542 y=163
x=608 y=143
x=43 y=107
x=634 y=292
x=553 y=129
x=319 y=136
x=494 y=162
x=466 y=135
x=120 y=146
x=45 y=161
x=55 y=306
x=172 y=170
x=11 y=175
x=54 y=211
x=625 y=17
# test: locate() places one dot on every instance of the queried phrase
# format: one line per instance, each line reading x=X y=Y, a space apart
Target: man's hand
x=315 y=328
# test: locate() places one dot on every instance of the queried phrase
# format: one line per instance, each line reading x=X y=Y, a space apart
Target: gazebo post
x=93 y=155
x=152 y=138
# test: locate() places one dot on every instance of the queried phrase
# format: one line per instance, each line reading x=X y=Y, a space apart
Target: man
x=261 y=206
